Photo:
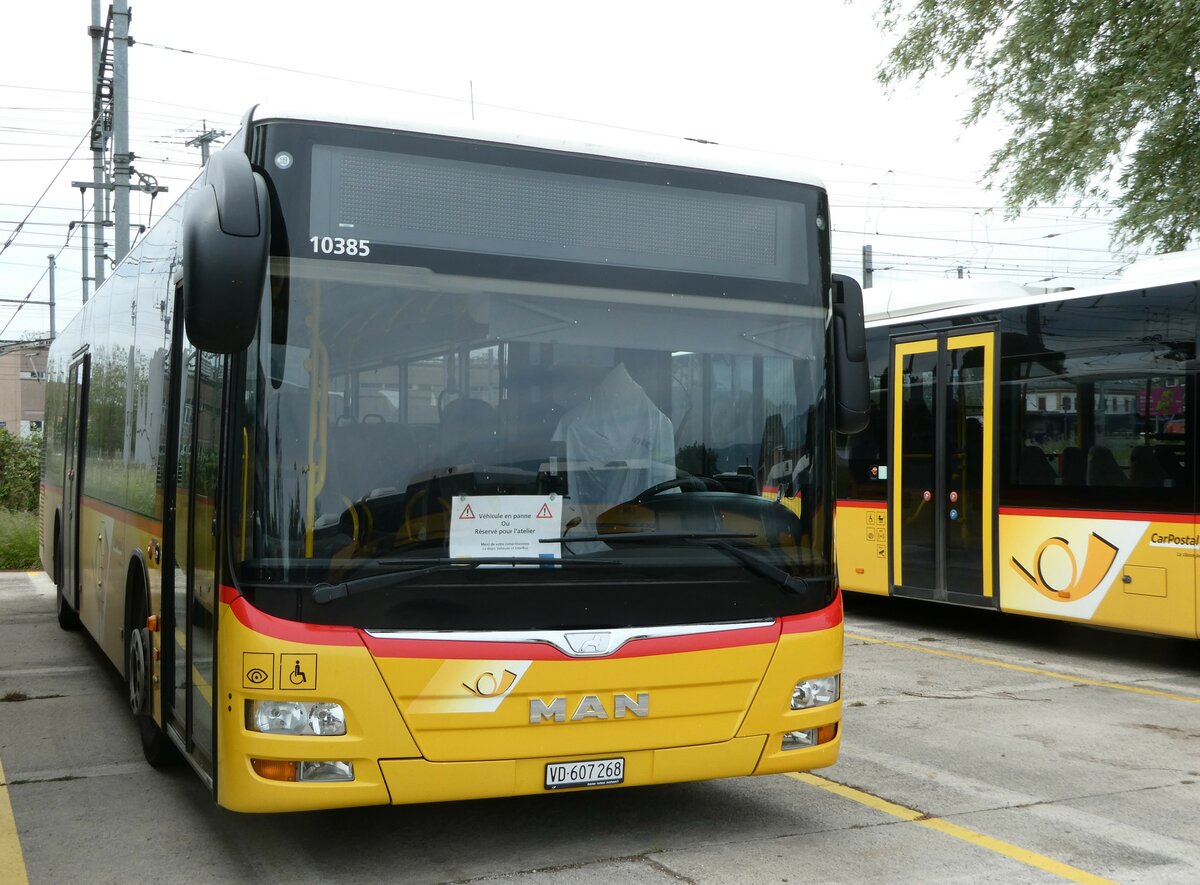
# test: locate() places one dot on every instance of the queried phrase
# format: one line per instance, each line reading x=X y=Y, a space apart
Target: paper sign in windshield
x=491 y=526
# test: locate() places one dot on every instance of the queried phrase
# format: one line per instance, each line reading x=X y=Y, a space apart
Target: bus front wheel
x=68 y=618
x=156 y=746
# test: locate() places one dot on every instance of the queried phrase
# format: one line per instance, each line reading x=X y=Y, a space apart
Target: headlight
x=816 y=692
x=295 y=717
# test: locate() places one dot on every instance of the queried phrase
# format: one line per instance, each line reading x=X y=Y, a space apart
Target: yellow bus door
x=941 y=487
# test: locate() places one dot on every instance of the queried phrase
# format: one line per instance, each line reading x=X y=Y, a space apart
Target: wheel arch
x=137 y=589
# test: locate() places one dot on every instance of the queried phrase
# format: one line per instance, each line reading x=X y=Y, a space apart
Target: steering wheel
x=688 y=483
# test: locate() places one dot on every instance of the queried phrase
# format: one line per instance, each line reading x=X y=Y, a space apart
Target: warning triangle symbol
x=467 y=513
x=545 y=513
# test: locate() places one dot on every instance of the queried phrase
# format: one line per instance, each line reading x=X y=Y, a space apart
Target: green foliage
x=20 y=472
x=18 y=540
x=1103 y=97
x=697 y=459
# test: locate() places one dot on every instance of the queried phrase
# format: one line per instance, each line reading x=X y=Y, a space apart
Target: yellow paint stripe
x=1021 y=668
x=1029 y=858
x=12 y=862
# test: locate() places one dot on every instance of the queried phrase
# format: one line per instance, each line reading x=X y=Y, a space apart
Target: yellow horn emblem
x=488 y=686
x=1100 y=557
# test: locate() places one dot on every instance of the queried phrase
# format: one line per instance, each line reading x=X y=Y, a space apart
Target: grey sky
x=794 y=78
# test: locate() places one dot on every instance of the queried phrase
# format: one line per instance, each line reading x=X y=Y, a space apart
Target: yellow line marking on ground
x=1082 y=680
x=12 y=862
x=1029 y=858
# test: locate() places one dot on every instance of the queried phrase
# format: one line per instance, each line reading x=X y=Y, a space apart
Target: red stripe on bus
x=289 y=631
x=823 y=619
x=857 y=502
x=321 y=634
x=1115 y=515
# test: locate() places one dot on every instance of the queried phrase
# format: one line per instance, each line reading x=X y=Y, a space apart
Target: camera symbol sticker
x=258 y=670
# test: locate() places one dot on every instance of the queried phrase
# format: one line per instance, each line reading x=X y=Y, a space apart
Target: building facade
x=22 y=388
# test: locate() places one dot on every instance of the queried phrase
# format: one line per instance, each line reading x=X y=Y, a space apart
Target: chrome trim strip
x=575 y=643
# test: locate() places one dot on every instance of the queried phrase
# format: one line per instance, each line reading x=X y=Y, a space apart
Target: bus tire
x=139 y=679
x=68 y=618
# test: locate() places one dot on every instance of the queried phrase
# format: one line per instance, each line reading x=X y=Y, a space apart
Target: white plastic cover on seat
x=618 y=443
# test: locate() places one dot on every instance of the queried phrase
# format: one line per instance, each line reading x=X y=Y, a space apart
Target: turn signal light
x=798 y=740
x=330 y=771
x=274 y=770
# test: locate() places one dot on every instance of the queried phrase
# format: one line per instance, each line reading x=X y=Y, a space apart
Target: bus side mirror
x=851 y=377
x=225 y=249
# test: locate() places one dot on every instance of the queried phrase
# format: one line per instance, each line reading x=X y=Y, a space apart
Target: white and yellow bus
x=412 y=463
x=1032 y=452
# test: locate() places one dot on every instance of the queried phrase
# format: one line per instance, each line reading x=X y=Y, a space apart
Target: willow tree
x=1102 y=98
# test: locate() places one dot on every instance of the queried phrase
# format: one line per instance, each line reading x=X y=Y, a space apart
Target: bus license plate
x=592 y=773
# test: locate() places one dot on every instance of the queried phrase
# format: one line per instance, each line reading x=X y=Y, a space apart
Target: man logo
x=1100 y=556
x=589 y=644
x=589 y=707
x=487 y=685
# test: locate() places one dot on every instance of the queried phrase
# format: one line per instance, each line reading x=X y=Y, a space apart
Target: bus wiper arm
x=718 y=540
x=324 y=593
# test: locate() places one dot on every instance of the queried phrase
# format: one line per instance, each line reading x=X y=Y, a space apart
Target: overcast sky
x=792 y=78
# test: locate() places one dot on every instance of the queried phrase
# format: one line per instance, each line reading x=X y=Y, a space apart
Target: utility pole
x=84 y=243
x=204 y=139
x=868 y=267
x=110 y=121
x=101 y=128
x=122 y=158
x=51 y=257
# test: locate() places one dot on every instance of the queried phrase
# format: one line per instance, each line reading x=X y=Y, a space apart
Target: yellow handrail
x=318 y=419
x=245 y=484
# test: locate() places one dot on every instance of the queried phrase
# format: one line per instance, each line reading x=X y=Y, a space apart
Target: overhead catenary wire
x=34 y=288
x=17 y=231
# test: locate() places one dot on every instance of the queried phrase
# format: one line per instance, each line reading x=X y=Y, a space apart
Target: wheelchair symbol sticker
x=298 y=672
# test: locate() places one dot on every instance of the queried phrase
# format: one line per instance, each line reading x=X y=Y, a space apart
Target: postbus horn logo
x=1100 y=556
x=489 y=685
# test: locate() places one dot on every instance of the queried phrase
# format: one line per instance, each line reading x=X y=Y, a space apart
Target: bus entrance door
x=194 y=596
x=72 y=482
x=941 y=494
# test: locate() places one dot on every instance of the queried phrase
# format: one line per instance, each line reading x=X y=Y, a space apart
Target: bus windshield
x=486 y=436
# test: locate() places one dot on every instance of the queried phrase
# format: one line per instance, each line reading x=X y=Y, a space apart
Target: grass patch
x=18 y=540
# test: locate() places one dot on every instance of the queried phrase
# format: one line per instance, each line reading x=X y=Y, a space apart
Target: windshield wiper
x=324 y=593
x=717 y=540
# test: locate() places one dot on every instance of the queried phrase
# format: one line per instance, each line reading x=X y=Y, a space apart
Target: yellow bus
x=407 y=463
x=1030 y=451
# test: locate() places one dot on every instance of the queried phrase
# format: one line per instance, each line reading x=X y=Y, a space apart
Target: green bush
x=20 y=472
x=18 y=539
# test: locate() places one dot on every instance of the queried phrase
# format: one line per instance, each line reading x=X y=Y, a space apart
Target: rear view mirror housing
x=851 y=379
x=226 y=239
